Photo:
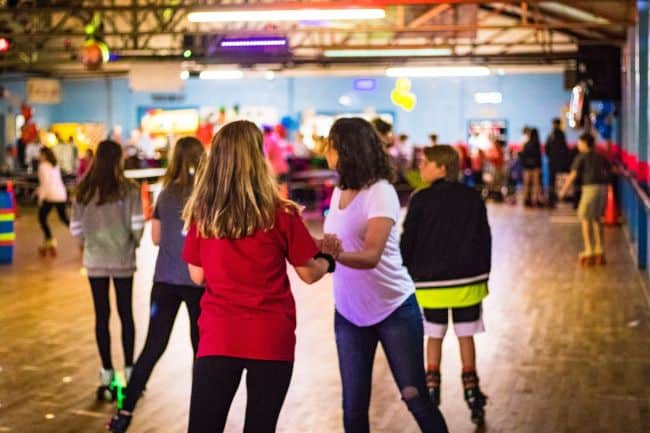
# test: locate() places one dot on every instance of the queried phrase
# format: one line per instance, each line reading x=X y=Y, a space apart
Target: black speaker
x=600 y=65
x=570 y=77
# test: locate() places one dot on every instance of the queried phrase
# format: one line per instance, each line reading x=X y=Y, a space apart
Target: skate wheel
x=105 y=394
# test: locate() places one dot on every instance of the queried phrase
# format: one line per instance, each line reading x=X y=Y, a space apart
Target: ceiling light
x=262 y=42
x=389 y=52
x=488 y=97
x=185 y=75
x=345 y=100
x=269 y=75
x=221 y=74
x=439 y=71
x=247 y=15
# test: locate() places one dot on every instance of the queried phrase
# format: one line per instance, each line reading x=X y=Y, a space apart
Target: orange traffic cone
x=611 y=213
x=147 y=209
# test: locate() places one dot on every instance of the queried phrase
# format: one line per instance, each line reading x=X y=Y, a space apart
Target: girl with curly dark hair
x=374 y=294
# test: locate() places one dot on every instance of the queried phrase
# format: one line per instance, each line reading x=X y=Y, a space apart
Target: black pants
x=124 y=294
x=216 y=379
x=44 y=211
x=166 y=299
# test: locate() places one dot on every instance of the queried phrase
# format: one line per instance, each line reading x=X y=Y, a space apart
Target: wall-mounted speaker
x=601 y=66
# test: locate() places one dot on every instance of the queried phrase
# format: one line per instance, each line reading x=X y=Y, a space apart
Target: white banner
x=43 y=91
x=155 y=77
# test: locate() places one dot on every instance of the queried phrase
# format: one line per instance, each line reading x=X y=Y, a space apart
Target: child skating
x=594 y=172
x=108 y=221
x=446 y=246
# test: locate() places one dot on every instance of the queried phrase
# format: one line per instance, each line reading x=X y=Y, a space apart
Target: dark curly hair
x=362 y=159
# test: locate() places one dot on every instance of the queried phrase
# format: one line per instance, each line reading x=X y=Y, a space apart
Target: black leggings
x=216 y=379
x=166 y=299
x=44 y=211
x=123 y=293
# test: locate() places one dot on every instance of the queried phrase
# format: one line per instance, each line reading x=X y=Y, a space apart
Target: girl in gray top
x=172 y=285
x=107 y=218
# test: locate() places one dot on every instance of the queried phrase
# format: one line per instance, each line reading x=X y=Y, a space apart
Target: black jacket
x=531 y=155
x=446 y=240
x=557 y=151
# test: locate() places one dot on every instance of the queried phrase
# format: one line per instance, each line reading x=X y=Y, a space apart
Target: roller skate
x=119 y=423
x=585 y=259
x=475 y=399
x=599 y=259
x=107 y=390
x=433 y=385
x=48 y=248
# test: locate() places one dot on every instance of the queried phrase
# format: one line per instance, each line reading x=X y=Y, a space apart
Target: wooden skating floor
x=566 y=349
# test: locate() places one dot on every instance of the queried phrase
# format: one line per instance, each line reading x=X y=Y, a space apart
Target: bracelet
x=331 y=263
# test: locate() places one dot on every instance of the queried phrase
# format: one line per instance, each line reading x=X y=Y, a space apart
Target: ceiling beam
x=428 y=15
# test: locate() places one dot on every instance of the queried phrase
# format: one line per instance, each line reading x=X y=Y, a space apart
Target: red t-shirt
x=248 y=310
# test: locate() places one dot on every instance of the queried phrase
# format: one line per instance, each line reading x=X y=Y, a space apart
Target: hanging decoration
x=402 y=96
x=95 y=52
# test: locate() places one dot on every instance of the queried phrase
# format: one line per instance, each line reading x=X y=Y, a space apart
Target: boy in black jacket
x=446 y=246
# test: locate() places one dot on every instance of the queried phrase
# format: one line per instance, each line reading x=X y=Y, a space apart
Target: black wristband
x=331 y=263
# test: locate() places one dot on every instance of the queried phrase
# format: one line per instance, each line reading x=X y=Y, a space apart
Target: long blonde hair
x=234 y=195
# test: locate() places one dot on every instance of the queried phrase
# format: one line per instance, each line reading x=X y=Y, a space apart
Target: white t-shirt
x=367 y=296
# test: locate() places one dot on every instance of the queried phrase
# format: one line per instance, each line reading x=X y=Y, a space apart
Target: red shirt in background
x=248 y=310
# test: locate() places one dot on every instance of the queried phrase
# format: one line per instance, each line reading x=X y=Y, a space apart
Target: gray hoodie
x=110 y=233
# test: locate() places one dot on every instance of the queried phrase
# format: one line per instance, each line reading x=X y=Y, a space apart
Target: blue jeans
x=401 y=334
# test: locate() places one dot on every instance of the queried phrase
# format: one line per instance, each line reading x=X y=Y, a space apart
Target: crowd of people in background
x=223 y=213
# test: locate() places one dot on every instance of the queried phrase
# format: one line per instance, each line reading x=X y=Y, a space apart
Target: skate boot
x=48 y=248
x=585 y=259
x=599 y=258
x=433 y=385
x=106 y=390
x=120 y=422
x=128 y=370
x=475 y=399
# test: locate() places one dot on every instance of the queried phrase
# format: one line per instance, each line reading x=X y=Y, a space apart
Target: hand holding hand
x=331 y=245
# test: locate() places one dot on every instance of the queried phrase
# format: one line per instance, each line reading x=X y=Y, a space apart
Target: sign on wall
x=43 y=91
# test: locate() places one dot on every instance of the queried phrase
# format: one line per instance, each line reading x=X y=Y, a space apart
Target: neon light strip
x=286 y=15
x=254 y=43
x=389 y=52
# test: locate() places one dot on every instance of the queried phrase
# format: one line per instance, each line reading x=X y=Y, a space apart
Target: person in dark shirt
x=531 y=160
x=594 y=171
x=558 y=158
x=446 y=246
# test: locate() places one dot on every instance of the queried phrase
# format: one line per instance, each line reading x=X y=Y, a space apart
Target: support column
x=642 y=125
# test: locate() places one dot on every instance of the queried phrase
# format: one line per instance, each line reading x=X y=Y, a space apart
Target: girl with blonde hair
x=240 y=236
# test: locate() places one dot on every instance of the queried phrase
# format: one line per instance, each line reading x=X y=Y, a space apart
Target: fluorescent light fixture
x=242 y=15
x=389 y=52
x=438 y=71
x=221 y=74
x=185 y=75
x=488 y=97
x=345 y=100
x=269 y=42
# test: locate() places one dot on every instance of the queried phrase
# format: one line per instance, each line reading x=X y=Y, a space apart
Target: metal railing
x=635 y=205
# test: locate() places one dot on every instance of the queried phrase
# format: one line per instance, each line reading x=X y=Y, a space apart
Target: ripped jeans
x=402 y=337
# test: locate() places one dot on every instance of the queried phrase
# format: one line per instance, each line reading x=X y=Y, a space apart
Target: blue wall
x=443 y=104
